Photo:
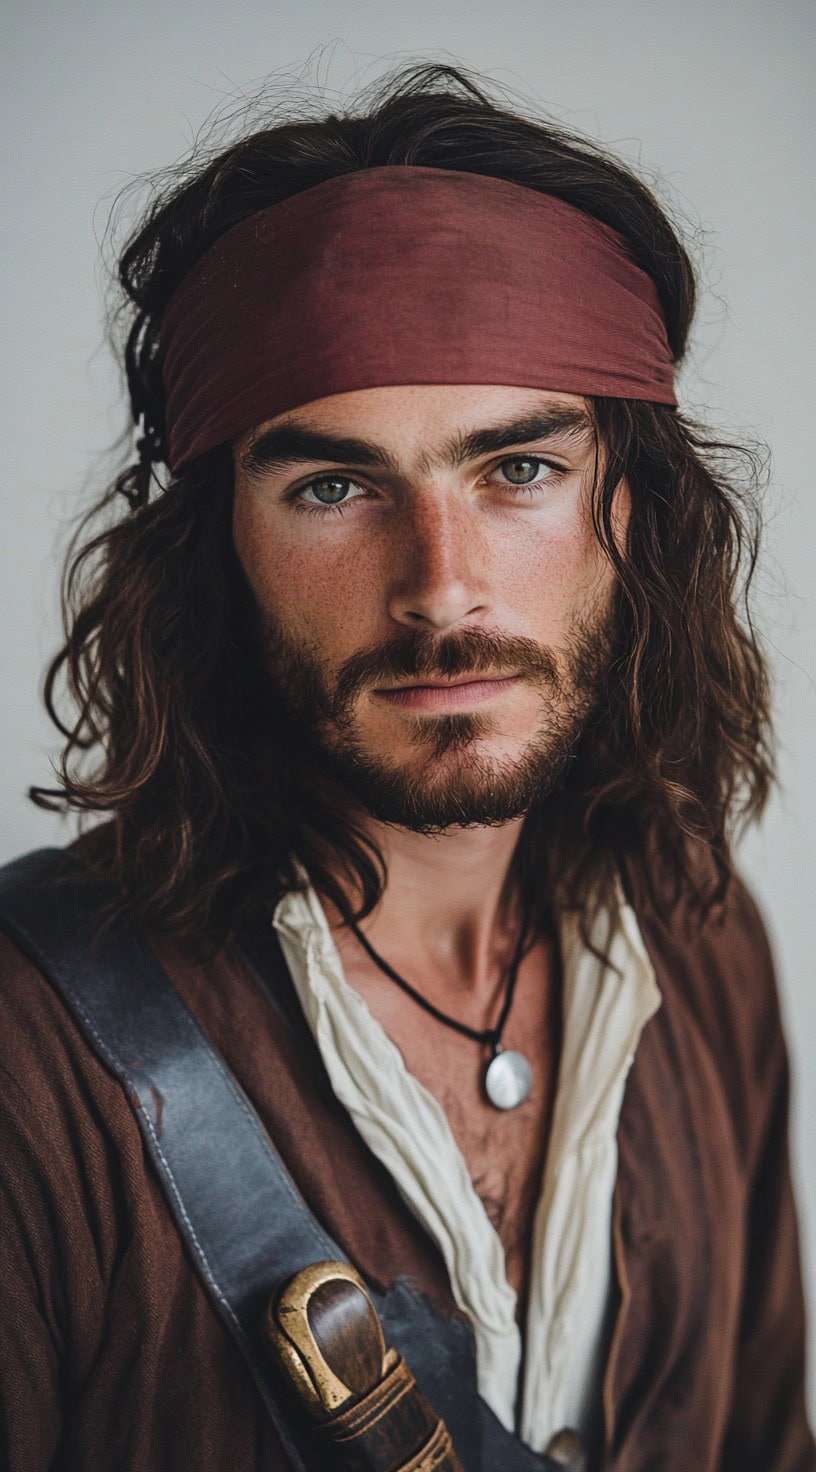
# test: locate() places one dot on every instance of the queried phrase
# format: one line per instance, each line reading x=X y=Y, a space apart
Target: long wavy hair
x=175 y=730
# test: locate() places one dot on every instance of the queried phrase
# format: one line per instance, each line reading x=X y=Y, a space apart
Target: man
x=423 y=712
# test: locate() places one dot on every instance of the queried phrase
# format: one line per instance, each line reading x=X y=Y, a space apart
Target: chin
x=430 y=749
x=480 y=784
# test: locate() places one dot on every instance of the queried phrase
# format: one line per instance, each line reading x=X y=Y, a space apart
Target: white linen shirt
x=558 y=1380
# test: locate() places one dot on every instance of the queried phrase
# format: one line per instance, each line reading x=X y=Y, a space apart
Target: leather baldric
x=245 y=1225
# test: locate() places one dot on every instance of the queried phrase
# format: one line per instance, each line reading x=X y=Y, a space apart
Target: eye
x=519 y=465
x=326 y=490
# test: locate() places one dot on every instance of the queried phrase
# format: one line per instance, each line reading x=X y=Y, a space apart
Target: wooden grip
x=364 y=1403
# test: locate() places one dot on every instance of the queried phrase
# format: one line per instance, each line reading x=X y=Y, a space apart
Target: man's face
x=438 y=623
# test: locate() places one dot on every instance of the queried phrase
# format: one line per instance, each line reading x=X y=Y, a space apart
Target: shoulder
x=68 y=1130
x=723 y=964
x=37 y=915
x=718 y=982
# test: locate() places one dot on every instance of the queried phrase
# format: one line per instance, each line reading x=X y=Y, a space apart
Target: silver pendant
x=508 y=1079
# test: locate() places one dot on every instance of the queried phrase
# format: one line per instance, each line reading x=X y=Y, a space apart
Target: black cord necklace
x=508 y=1076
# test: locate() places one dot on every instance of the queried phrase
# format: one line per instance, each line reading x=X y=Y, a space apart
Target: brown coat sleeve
x=49 y=1263
x=768 y=1428
x=30 y=1416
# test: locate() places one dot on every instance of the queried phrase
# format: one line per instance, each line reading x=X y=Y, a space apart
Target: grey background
x=713 y=101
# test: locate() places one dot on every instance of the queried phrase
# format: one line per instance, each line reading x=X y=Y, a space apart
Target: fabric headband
x=405 y=275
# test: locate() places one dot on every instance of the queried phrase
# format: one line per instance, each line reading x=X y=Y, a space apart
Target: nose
x=439 y=564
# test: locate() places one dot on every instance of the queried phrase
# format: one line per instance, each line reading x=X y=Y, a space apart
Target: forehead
x=418 y=426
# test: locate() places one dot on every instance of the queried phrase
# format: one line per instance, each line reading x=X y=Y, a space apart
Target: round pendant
x=508 y=1079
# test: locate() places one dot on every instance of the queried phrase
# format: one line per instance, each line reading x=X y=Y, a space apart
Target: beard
x=455 y=783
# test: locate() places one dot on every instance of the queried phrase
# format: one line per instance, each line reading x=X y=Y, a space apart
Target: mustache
x=425 y=655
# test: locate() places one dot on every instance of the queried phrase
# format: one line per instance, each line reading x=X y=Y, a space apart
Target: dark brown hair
x=178 y=734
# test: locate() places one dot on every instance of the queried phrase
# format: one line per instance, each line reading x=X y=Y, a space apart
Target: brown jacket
x=112 y=1358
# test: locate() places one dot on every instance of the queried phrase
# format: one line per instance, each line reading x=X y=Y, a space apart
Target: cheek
x=313 y=590
x=555 y=569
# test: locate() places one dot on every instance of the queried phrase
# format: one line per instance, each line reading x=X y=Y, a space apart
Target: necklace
x=508 y=1076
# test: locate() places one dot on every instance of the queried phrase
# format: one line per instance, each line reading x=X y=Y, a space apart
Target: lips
x=449 y=695
x=446 y=684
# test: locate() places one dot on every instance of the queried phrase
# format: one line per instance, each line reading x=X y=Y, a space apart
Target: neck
x=447 y=903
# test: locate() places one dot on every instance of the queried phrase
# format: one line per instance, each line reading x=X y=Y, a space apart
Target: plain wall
x=715 y=98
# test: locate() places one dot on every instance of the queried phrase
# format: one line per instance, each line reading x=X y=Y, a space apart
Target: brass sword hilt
x=365 y=1405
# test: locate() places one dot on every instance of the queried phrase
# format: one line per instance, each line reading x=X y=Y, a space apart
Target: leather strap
x=245 y=1224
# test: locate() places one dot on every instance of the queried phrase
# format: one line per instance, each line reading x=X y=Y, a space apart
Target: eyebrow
x=293 y=443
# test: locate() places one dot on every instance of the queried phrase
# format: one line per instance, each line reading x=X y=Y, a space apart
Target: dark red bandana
x=402 y=275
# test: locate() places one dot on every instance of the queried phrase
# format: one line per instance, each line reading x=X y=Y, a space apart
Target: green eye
x=521 y=460
x=545 y=472
x=328 y=489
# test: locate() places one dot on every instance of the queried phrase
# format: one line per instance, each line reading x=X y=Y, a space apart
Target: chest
x=504 y=1150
